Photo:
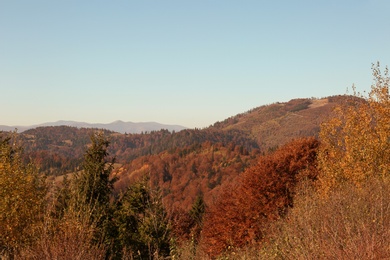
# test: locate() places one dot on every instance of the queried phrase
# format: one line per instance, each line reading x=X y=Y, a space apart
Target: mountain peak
x=118 y=122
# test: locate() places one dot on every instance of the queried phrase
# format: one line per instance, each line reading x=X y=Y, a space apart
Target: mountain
x=59 y=146
x=276 y=124
x=116 y=126
x=183 y=163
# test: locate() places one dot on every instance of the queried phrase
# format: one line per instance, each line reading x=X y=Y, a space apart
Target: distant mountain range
x=116 y=126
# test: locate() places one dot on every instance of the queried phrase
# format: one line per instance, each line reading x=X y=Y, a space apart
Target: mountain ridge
x=187 y=162
x=116 y=126
x=275 y=124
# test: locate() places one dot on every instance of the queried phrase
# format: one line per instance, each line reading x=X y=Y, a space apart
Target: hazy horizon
x=180 y=62
x=86 y=122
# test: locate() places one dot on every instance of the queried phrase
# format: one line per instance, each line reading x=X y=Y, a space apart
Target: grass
x=352 y=223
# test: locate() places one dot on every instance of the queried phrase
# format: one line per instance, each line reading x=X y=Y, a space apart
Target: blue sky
x=181 y=62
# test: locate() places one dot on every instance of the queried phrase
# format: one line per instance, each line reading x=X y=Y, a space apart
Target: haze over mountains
x=116 y=126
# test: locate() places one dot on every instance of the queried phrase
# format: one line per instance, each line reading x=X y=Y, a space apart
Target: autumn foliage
x=263 y=194
x=22 y=197
x=355 y=141
x=225 y=191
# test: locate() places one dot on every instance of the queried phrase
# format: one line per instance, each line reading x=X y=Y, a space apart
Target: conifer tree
x=196 y=213
x=91 y=190
x=198 y=209
x=143 y=227
x=93 y=185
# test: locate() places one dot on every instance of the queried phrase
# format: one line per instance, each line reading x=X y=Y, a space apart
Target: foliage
x=56 y=150
x=59 y=150
x=73 y=236
x=352 y=223
x=250 y=206
x=94 y=185
x=143 y=226
x=84 y=200
x=215 y=164
x=355 y=141
x=262 y=195
x=197 y=211
x=22 y=192
x=276 y=124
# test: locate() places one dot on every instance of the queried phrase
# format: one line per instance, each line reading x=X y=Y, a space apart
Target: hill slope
x=190 y=162
x=276 y=124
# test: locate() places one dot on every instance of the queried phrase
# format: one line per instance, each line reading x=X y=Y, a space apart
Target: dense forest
x=305 y=179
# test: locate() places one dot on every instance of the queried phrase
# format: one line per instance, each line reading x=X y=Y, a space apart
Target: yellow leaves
x=355 y=142
x=21 y=195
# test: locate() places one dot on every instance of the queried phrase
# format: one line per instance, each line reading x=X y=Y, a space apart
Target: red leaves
x=263 y=194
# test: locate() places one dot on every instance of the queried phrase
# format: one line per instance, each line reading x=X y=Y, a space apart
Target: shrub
x=352 y=223
x=262 y=195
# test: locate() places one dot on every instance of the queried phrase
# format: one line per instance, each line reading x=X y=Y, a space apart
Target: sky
x=184 y=62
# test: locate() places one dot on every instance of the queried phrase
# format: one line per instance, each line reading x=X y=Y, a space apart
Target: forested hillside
x=188 y=163
x=58 y=150
x=305 y=179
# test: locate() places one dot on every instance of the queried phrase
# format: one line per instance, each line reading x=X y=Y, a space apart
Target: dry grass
x=71 y=237
x=351 y=223
x=319 y=102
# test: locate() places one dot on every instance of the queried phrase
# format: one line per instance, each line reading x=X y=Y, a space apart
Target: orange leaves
x=264 y=192
x=355 y=142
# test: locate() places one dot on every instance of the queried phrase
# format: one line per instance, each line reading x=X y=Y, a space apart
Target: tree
x=90 y=192
x=262 y=194
x=143 y=227
x=197 y=211
x=93 y=186
x=80 y=223
x=355 y=141
x=22 y=193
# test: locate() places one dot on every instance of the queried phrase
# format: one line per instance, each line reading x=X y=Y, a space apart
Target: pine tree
x=143 y=227
x=93 y=186
x=197 y=210
x=91 y=190
x=196 y=213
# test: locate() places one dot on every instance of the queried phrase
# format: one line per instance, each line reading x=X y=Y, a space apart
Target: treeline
x=58 y=150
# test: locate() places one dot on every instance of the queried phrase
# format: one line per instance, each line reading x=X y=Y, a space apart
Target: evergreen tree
x=143 y=227
x=93 y=185
x=197 y=211
x=91 y=190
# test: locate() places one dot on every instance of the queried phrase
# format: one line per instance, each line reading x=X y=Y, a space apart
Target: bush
x=351 y=223
x=263 y=194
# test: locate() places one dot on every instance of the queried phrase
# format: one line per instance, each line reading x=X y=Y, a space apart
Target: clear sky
x=179 y=61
